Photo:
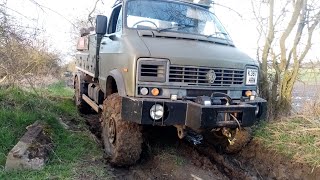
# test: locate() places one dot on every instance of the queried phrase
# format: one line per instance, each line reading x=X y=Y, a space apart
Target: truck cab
x=164 y=63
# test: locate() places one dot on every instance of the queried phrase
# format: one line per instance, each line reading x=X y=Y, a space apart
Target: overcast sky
x=57 y=27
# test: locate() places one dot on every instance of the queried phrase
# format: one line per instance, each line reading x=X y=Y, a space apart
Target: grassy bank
x=297 y=137
x=20 y=108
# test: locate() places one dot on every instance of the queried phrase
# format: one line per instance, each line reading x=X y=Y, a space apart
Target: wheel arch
x=115 y=83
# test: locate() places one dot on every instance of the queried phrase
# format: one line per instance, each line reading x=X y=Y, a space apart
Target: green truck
x=165 y=63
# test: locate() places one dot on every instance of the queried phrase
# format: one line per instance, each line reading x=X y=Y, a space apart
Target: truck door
x=111 y=49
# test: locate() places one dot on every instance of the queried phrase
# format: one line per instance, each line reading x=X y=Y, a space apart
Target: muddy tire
x=81 y=105
x=121 y=139
x=242 y=138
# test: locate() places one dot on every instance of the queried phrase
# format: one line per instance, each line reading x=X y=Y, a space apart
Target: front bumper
x=191 y=114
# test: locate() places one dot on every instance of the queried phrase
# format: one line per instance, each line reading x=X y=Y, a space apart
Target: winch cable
x=236 y=120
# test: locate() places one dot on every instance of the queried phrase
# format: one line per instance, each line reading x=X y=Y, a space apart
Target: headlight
x=252 y=76
x=144 y=91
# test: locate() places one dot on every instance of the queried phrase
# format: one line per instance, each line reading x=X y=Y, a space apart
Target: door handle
x=103 y=43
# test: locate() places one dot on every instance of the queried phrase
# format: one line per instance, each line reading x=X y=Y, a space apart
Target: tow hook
x=226 y=132
x=181 y=130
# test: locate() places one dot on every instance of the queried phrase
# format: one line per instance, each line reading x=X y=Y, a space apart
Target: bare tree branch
x=297 y=38
x=91 y=12
x=295 y=15
x=41 y=6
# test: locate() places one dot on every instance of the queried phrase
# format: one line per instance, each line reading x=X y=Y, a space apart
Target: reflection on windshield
x=171 y=16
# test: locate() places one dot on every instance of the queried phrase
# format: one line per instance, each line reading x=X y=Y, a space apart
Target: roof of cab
x=207 y=6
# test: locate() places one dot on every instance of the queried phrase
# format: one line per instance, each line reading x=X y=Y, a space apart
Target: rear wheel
x=81 y=105
x=122 y=139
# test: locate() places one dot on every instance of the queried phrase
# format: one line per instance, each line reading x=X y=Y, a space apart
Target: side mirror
x=101 y=24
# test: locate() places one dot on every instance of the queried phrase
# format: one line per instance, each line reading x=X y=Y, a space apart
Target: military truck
x=165 y=63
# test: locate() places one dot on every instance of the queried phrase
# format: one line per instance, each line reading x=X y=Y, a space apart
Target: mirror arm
x=113 y=37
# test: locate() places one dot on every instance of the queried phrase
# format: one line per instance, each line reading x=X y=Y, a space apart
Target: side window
x=113 y=22
x=119 y=22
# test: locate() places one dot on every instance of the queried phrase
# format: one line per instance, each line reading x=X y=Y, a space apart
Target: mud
x=165 y=156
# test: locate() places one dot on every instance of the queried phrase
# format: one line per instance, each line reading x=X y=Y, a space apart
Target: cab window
x=115 y=22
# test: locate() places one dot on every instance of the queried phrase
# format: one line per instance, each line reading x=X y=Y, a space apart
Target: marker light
x=174 y=97
x=155 y=91
x=248 y=93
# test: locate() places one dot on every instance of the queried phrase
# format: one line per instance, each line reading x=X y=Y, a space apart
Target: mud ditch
x=164 y=156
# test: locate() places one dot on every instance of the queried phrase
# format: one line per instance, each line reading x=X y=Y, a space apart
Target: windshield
x=172 y=16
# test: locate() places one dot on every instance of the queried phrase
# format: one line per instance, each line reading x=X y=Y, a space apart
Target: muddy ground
x=167 y=157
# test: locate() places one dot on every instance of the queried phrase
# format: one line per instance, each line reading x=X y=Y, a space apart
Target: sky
x=55 y=18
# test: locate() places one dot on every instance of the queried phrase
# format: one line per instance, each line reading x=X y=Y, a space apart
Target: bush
x=21 y=52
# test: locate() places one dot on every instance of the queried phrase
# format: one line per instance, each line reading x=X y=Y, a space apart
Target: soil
x=165 y=156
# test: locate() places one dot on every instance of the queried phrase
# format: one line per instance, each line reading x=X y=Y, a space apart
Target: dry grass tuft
x=297 y=137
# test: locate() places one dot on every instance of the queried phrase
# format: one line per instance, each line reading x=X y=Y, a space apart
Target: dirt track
x=167 y=157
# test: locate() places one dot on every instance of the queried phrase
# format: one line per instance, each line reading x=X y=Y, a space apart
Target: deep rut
x=223 y=162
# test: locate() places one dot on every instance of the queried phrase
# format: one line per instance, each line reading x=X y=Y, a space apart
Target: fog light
x=156 y=112
x=144 y=91
x=174 y=97
x=155 y=91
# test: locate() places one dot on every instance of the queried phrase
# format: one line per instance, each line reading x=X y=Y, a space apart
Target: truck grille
x=200 y=76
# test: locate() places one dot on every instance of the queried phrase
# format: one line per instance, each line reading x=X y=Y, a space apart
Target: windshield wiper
x=223 y=33
x=180 y=26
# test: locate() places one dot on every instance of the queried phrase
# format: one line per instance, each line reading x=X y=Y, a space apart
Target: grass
x=170 y=154
x=309 y=75
x=297 y=138
x=59 y=90
x=20 y=108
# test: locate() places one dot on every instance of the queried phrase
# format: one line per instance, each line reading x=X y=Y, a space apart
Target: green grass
x=169 y=154
x=19 y=108
x=298 y=138
x=309 y=75
x=60 y=90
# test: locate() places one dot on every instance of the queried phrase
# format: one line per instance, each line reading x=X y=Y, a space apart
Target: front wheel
x=121 y=139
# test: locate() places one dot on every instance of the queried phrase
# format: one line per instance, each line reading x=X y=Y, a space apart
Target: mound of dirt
x=268 y=164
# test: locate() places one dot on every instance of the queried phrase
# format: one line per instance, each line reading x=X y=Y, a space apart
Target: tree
x=21 y=52
x=286 y=33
